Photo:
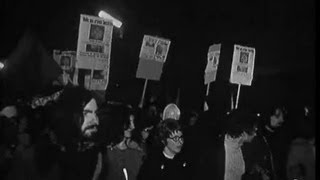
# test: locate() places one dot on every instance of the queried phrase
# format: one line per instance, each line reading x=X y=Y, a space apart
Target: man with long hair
x=75 y=124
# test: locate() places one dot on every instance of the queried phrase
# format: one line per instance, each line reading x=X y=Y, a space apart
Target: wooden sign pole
x=143 y=93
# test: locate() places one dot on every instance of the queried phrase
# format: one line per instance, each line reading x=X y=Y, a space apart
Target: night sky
x=282 y=31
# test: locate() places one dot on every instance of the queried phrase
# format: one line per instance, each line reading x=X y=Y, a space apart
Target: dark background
x=282 y=32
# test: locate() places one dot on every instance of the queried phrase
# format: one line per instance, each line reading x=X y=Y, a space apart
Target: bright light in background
x=115 y=21
x=1 y=65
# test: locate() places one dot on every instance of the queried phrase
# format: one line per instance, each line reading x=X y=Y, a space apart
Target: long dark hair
x=67 y=114
x=114 y=117
x=239 y=121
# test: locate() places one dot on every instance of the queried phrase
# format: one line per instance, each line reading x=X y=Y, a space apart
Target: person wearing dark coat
x=271 y=143
x=166 y=161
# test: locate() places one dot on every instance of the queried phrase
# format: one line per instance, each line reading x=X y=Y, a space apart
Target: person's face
x=277 y=119
x=128 y=132
x=248 y=137
x=175 y=142
x=91 y=120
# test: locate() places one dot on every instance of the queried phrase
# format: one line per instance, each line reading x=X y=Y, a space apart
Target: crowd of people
x=79 y=136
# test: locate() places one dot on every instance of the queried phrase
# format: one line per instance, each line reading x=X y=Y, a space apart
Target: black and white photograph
x=65 y=61
x=95 y=48
x=244 y=57
x=96 y=32
x=239 y=78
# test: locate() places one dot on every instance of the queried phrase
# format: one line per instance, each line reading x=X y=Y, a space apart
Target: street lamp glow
x=1 y=65
x=115 y=21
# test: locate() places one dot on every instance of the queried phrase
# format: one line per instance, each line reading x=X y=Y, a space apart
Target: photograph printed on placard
x=94 y=48
x=242 y=69
x=150 y=42
x=216 y=59
x=161 y=50
x=98 y=74
x=244 y=57
x=65 y=61
x=96 y=32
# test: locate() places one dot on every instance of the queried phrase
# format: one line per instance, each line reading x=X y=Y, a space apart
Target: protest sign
x=242 y=65
x=93 y=51
x=66 y=60
x=94 y=43
x=153 y=54
x=212 y=64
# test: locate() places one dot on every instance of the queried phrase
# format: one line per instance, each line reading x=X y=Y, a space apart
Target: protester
x=150 y=113
x=275 y=134
x=8 y=137
x=226 y=158
x=191 y=134
x=260 y=149
x=166 y=161
x=302 y=159
x=301 y=156
x=143 y=134
x=123 y=155
x=76 y=124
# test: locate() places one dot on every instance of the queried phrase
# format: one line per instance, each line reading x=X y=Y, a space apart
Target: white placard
x=94 y=43
x=212 y=63
x=242 y=65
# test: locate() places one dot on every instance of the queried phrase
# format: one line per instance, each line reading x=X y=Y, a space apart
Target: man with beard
x=75 y=123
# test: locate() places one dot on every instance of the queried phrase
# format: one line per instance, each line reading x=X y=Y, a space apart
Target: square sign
x=242 y=65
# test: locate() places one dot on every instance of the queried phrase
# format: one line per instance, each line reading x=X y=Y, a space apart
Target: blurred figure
x=25 y=157
x=166 y=161
x=8 y=137
x=191 y=132
x=301 y=157
x=123 y=154
x=150 y=113
x=275 y=120
x=228 y=159
x=144 y=134
x=275 y=135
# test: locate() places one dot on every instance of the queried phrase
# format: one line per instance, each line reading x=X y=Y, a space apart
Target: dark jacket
x=79 y=165
x=211 y=163
x=158 y=167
